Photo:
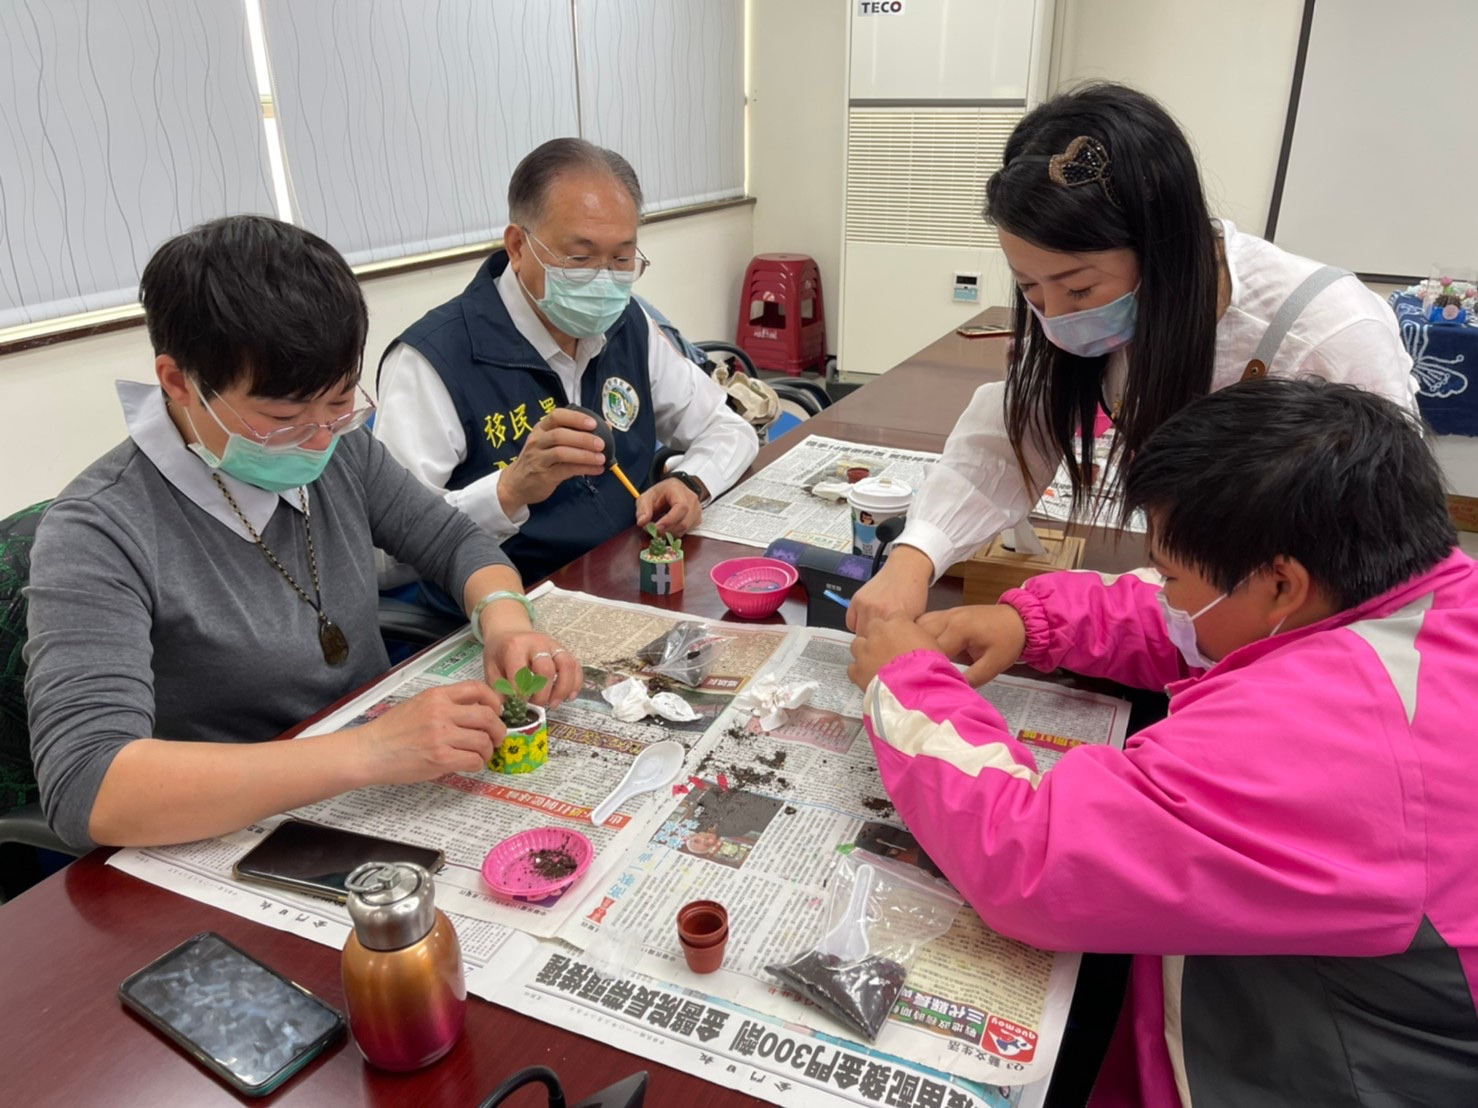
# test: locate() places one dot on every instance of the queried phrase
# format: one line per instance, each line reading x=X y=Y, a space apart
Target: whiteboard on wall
x=1378 y=173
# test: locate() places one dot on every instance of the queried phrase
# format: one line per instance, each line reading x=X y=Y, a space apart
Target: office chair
x=21 y=822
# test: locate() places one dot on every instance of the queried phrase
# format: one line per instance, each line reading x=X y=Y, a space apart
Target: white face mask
x=1181 y=627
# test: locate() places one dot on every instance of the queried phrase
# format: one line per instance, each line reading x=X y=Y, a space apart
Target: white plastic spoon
x=847 y=941
x=657 y=765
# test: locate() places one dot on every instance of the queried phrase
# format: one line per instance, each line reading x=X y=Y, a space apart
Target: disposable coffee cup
x=873 y=500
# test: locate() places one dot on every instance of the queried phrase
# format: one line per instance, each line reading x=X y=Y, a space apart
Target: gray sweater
x=150 y=618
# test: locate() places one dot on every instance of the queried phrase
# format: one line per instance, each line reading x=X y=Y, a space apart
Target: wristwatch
x=692 y=482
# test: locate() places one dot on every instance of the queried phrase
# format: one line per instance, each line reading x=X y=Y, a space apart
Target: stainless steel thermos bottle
x=403 y=983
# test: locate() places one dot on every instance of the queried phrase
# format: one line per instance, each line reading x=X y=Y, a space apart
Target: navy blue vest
x=502 y=387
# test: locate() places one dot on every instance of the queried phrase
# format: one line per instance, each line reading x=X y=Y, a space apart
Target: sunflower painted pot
x=524 y=749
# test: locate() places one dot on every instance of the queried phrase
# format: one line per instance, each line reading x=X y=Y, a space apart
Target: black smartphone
x=245 y=1023
x=314 y=858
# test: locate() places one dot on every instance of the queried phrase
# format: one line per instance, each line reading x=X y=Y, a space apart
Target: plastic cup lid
x=880 y=494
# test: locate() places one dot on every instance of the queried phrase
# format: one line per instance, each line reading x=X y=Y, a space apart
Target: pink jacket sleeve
x=1098 y=626
x=1239 y=825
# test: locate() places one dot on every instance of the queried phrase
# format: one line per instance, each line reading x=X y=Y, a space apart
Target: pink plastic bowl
x=509 y=868
x=753 y=587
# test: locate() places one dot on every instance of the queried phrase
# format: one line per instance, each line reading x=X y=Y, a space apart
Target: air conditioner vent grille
x=917 y=176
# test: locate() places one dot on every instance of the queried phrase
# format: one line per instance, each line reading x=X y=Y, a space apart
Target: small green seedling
x=516 y=693
x=663 y=547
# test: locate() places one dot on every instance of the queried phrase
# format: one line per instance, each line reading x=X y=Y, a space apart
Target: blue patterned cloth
x=1445 y=357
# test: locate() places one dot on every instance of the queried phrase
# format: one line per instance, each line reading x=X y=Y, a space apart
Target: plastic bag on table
x=881 y=912
x=686 y=653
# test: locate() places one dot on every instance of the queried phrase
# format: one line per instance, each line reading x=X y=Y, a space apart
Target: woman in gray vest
x=1131 y=301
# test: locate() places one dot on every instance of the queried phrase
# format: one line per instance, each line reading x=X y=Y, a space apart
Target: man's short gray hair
x=528 y=189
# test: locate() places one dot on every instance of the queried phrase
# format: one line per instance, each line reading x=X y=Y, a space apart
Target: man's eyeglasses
x=580 y=269
x=285 y=438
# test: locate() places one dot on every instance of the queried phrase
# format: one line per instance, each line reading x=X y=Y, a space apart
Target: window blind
x=122 y=123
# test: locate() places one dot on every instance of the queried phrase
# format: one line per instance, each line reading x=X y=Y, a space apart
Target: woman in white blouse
x=1129 y=297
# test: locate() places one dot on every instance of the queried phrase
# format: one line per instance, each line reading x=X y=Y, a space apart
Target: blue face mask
x=1093 y=331
x=582 y=310
x=250 y=461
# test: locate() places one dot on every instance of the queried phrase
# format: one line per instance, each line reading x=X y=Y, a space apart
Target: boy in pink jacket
x=1292 y=854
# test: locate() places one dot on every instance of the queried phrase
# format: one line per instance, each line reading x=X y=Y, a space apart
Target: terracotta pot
x=705 y=959
x=703 y=932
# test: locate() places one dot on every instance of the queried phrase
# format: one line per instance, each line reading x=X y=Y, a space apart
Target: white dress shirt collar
x=154 y=433
x=530 y=326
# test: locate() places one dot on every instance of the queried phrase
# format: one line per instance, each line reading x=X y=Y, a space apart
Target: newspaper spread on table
x=754 y=821
x=777 y=502
x=1057 y=498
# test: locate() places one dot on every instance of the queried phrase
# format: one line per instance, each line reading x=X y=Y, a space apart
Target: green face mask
x=250 y=461
x=582 y=310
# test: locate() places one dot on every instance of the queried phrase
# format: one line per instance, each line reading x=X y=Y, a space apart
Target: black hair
x=1338 y=478
x=252 y=298
x=528 y=188
x=1151 y=203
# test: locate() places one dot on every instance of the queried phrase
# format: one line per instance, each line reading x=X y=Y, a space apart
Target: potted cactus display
x=526 y=745
x=662 y=564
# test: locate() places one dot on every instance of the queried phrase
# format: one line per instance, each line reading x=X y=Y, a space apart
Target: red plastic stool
x=782 y=320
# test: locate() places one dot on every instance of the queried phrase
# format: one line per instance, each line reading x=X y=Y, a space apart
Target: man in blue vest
x=473 y=396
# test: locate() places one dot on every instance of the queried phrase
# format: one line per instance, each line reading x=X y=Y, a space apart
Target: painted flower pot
x=524 y=749
x=662 y=575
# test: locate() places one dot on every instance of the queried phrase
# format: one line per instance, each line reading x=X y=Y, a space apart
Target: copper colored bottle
x=403 y=983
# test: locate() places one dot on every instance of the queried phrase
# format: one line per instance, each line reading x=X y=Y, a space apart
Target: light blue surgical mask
x=1093 y=331
x=582 y=309
x=250 y=461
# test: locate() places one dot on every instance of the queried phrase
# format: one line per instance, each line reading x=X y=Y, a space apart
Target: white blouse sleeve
x=976 y=490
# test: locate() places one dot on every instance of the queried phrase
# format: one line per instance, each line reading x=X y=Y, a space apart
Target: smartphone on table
x=317 y=859
x=245 y=1023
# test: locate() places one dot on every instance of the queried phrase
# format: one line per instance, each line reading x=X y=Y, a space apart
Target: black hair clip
x=1085 y=161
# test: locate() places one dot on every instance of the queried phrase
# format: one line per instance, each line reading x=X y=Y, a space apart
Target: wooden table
x=68 y=942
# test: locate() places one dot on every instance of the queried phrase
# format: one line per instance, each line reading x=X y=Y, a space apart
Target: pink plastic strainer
x=526 y=866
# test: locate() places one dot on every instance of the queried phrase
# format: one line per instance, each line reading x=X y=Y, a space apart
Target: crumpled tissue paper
x=769 y=699
x=630 y=702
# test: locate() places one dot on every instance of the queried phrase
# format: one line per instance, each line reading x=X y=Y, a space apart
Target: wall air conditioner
x=935 y=88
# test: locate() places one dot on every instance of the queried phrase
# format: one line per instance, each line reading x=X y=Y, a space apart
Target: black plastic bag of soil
x=686 y=653
x=860 y=994
x=905 y=908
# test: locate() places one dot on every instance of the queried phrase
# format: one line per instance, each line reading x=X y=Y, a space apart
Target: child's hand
x=885 y=640
x=990 y=636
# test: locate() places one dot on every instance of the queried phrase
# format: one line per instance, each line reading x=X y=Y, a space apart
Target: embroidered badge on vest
x=619 y=403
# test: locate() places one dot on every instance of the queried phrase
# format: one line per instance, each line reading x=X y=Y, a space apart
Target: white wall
x=1223 y=69
x=62 y=413
x=797 y=132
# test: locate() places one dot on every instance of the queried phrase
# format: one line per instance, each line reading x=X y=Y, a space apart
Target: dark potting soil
x=742 y=777
x=879 y=804
x=774 y=761
x=860 y=994
x=553 y=864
